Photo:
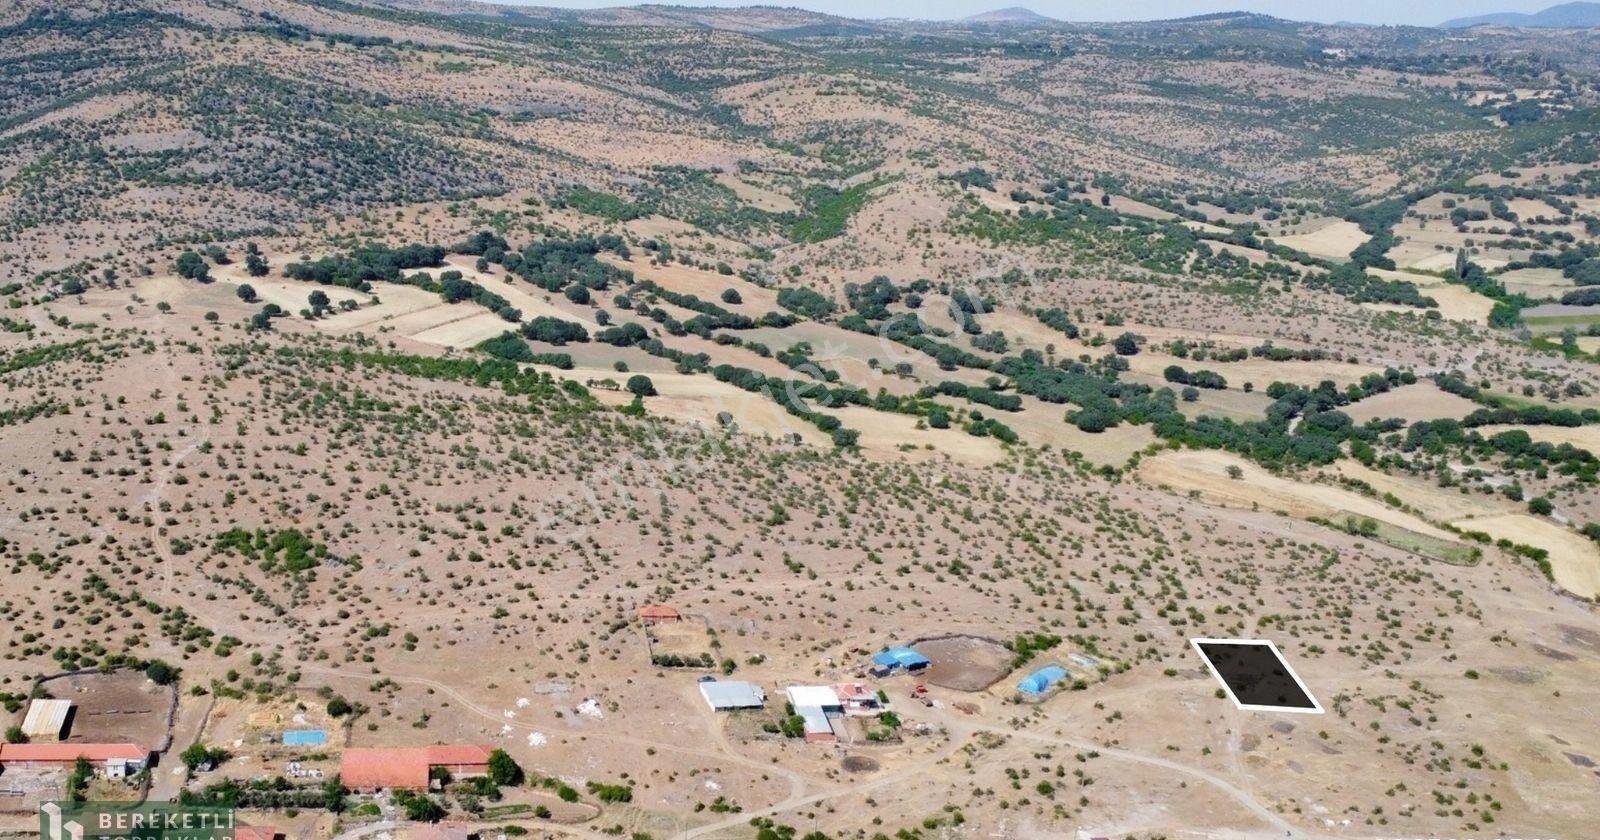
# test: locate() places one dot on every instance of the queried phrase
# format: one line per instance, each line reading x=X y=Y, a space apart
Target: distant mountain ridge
x=1567 y=15
x=1010 y=14
x=791 y=21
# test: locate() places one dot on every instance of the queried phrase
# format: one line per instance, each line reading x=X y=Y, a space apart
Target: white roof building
x=814 y=696
x=46 y=719
x=726 y=696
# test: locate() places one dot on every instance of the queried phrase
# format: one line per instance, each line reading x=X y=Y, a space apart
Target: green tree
x=161 y=673
x=254 y=263
x=504 y=770
x=731 y=296
x=198 y=755
x=192 y=266
x=78 y=782
x=640 y=386
x=14 y=735
x=333 y=795
x=423 y=809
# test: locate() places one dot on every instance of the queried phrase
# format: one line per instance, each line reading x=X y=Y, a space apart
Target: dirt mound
x=859 y=764
x=964 y=663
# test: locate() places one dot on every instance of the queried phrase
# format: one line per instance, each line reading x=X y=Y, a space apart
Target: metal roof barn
x=902 y=657
x=46 y=719
x=817 y=726
x=727 y=696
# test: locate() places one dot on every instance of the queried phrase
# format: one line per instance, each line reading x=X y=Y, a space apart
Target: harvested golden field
x=1330 y=238
x=1206 y=475
x=1422 y=401
x=1574 y=559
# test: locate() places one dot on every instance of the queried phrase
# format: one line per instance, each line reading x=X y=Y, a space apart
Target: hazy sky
x=1419 y=12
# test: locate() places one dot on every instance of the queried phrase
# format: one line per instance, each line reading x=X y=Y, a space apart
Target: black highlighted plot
x=1256 y=676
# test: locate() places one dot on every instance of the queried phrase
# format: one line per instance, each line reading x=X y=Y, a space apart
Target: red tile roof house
x=857 y=698
x=254 y=832
x=115 y=760
x=368 y=770
x=654 y=614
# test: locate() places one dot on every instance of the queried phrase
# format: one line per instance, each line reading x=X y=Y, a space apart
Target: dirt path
x=168 y=780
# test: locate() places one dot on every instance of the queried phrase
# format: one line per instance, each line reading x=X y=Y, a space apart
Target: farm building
x=820 y=696
x=819 y=730
x=857 y=698
x=1042 y=680
x=727 y=696
x=117 y=761
x=461 y=759
x=47 y=720
x=813 y=703
x=657 y=614
x=408 y=768
x=897 y=658
x=254 y=832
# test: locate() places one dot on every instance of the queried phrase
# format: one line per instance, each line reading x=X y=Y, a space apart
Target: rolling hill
x=417 y=373
x=1009 y=15
x=1580 y=15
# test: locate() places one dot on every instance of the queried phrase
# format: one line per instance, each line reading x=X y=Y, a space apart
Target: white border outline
x=1316 y=706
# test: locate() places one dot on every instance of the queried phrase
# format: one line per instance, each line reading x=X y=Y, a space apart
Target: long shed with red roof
x=366 y=769
x=38 y=755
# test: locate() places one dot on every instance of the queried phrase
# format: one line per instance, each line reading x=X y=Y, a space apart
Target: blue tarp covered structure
x=1041 y=680
x=901 y=657
x=305 y=738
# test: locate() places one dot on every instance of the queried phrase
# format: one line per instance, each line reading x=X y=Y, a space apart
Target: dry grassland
x=1332 y=239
